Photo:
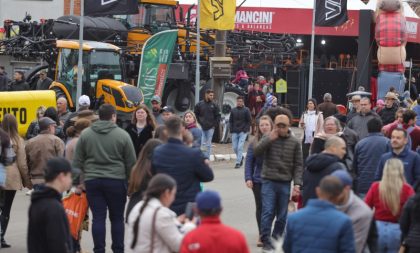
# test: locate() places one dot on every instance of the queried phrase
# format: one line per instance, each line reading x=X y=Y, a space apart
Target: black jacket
x=4 y=83
x=388 y=114
x=19 y=86
x=240 y=120
x=317 y=167
x=48 y=229
x=139 y=139
x=410 y=223
x=208 y=114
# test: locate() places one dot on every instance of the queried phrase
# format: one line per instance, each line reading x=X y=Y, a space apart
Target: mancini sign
x=331 y=12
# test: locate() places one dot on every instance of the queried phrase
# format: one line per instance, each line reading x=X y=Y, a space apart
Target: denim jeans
x=389 y=236
x=238 y=141
x=388 y=79
x=107 y=194
x=275 y=200
x=206 y=142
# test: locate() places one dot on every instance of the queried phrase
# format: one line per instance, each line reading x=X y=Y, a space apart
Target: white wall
x=15 y=9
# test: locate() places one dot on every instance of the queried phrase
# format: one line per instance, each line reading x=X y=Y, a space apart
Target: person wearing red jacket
x=212 y=236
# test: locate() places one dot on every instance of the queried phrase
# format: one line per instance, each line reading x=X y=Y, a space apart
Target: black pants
x=305 y=151
x=256 y=189
x=9 y=196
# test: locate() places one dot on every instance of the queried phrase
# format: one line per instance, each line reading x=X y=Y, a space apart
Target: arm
x=346 y=240
x=416 y=171
x=231 y=118
x=22 y=165
x=248 y=119
x=249 y=163
x=355 y=159
x=202 y=170
x=79 y=155
x=29 y=133
x=262 y=145
x=57 y=232
x=217 y=115
x=298 y=165
x=59 y=148
x=369 y=197
x=405 y=219
x=167 y=229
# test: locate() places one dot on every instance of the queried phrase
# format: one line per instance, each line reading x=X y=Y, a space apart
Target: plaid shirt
x=390 y=29
x=392 y=67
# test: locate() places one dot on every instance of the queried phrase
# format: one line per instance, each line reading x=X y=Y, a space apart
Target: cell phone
x=190 y=210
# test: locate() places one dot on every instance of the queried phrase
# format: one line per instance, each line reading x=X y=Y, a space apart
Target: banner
x=110 y=7
x=331 y=12
x=154 y=64
x=217 y=14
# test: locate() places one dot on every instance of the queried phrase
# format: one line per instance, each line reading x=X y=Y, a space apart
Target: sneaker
x=237 y=166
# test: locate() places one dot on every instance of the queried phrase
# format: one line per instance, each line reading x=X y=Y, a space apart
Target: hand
x=302 y=124
x=274 y=134
x=182 y=218
x=296 y=191
x=80 y=188
x=249 y=184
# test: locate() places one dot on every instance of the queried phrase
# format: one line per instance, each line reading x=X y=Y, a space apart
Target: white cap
x=84 y=100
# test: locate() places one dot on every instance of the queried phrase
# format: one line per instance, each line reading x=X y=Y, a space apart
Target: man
x=44 y=81
x=359 y=122
x=167 y=112
x=4 y=80
x=400 y=150
x=63 y=114
x=42 y=148
x=321 y=165
x=355 y=101
x=367 y=154
x=416 y=109
x=186 y=165
x=320 y=227
x=328 y=108
x=360 y=213
x=409 y=124
x=48 y=229
x=212 y=235
x=105 y=154
x=240 y=123
x=208 y=116
x=19 y=83
x=387 y=113
x=156 y=109
x=84 y=104
x=282 y=163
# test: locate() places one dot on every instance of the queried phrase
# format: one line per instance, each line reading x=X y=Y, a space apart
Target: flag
x=217 y=14
x=110 y=7
x=330 y=12
x=154 y=65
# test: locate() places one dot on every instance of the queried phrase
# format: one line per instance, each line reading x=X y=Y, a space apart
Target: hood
x=317 y=162
x=45 y=193
x=103 y=126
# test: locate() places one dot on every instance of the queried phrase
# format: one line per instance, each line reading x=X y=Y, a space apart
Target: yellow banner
x=217 y=14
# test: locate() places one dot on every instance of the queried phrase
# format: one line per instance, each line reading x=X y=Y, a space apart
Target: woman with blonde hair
x=33 y=129
x=387 y=198
x=193 y=127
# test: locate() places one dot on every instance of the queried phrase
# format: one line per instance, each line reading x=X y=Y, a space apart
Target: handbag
x=76 y=207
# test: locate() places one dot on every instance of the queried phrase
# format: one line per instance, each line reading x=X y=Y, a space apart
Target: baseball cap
x=45 y=122
x=344 y=177
x=84 y=100
x=208 y=200
x=156 y=98
x=168 y=109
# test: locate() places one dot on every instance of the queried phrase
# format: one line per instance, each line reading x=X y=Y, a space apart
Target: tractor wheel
x=170 y=96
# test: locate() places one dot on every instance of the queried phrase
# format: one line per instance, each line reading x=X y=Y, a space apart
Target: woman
x=256 y=101
x=410 y=222
x=331 y=127
x=312 y=122
x=141 y=174
x=17 y=174
x=191 y=124
x=253 y=167
x=141 y=128
x=74 y=132
x=152 y=226
x=387 y=198
x=51 y=113
x=33 y=129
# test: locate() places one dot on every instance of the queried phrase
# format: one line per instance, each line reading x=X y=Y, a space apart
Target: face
x=155 y=106
x=188 y=118
x=400 y=117
x=240 y=102
x=274 y=104
x=265 y=126
x=256 y=86
x=311 y=106
x=166 y=115
x=282 y=124
x=40 y=114
x=141 y=115
x=65 y=181
x=114 y=118
x=365 y=106
x=42 y=76
x=61 y=105
x=51 y=128
x=210 y=96
x=17 y=76
x=389 y=102
x=340 y=150
x=356 y=104
x=168 y=197
x=398 y=140
x=330 y=127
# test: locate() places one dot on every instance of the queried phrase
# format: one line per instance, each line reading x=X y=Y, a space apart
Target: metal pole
x=80 y=62
x=197 y=57
x=311 y=64
x=72 y=7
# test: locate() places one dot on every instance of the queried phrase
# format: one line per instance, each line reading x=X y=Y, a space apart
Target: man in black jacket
x=387 y=114
x=4 y=80
x=48 y=229
x=240 y=122
x=208 y=115
x=19 y=83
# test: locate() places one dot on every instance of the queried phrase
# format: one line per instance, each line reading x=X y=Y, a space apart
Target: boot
x=4 y=222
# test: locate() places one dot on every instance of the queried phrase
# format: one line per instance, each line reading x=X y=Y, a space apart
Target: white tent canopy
x=408 y=11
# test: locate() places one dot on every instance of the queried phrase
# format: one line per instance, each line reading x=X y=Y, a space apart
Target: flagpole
x=80 y=61
x=197 y=57
x=311 y=63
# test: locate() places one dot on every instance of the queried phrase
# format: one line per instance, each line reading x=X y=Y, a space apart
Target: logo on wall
x=219 y=12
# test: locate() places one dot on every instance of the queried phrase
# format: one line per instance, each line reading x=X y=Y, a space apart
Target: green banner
x=154 y=65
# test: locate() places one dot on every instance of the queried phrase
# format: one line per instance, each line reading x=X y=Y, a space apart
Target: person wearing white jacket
x=152 y=226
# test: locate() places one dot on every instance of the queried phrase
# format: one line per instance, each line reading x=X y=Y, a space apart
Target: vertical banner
x=217 y=14
x=110 y=7
x=155 y=58
x=330 y=12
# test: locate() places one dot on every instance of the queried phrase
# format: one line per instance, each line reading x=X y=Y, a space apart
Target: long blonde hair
x=391 y=185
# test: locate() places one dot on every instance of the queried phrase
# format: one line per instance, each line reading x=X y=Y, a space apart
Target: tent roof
x=408 y=11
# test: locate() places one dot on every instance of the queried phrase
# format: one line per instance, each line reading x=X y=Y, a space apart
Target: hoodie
x=317 y=167
x=48 y=229
x=104 y=151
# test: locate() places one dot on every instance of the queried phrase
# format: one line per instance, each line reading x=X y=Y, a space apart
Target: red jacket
x=214 y=237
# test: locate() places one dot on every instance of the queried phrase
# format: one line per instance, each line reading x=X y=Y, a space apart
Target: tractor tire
x=169 y=99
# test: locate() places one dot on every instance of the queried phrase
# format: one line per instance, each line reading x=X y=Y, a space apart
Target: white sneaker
x=29 y=192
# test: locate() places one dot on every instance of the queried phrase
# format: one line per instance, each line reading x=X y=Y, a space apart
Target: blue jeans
x=206 y=141
x=238 y=141
x=389 y=236
x=388 y=79
x=103 y=194
x=275 y=200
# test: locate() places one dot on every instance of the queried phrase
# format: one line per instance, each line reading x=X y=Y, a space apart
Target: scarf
x=310 y=119
x=191 y=125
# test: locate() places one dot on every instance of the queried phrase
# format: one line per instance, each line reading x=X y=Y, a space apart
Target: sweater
x=253 y=166
x=382 y=212
x=410 y=222
x=240 y=120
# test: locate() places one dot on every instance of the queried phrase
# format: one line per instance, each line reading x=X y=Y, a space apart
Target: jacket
x=411 y=161
x=19 y=86
x=70 y=148
x=388 y=114
x=240 y=120
x=208 y=114
x=282 y=159
x=186 y=165
x=319 y=228
x=168 y=231
x=4 y=83
x=17 y=174
x=410 y=222
x=416 y=109
x=213 y=236
x=318 y=125
x=317 y=167
x=359 y=123
x=197 y=133
x=48 y=229
x=104 y=151
x=253 y=165
x=44 y=84
x=254 y=106
x=39 y=150
x=328 y=108
x=139 y=140
x=33 y=130
x=367 y=155
x=361 y=217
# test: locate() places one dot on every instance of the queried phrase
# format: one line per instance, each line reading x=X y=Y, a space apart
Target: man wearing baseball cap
x=212 y=235
x=157 y=109
x=84 y=104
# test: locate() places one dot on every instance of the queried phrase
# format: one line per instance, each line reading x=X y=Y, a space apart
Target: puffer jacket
x=388 y=114
x=17 y=174
x=410 y=223
x=359 y=123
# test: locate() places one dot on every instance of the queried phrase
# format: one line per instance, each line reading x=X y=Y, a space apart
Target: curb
x=224 y=157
